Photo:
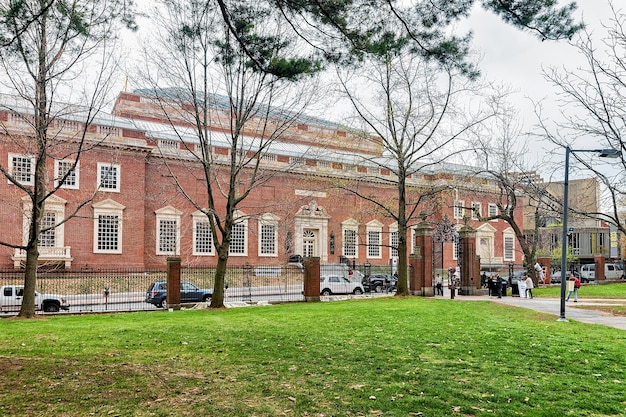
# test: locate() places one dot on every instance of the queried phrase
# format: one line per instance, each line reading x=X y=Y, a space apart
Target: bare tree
x=593 y=109
x=50 y=48
x=415 y=110
x=221 y=99
x=523 y=198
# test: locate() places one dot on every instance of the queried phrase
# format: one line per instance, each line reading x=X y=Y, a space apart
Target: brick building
x=305 y=206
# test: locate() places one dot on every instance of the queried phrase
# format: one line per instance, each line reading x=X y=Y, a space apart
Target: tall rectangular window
x=373 y=244
x=168 y=233
x=509 y=248
x=477 y=210
x=395 y=239
x=66 y=167
x=238 y=239
x=203 y=238
x=109 y=177
x=268 y=239
x=459 y=209
x=493 y=211
x=349 y=243
x=22 y=168
x=108 y=238
x=47 y=238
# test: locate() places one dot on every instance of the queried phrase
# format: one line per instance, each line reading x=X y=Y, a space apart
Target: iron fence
x=106 y=290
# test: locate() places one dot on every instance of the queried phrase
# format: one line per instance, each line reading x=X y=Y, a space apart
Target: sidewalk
x=553 y=306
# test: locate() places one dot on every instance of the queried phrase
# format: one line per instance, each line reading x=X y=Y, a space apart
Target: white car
x=333 y=284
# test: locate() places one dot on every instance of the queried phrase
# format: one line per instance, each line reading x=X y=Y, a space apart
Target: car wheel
x=379 y=288
x=326 y=292
x=357 y=291
x=207 y=299
x=51 y=308
x=164 y=303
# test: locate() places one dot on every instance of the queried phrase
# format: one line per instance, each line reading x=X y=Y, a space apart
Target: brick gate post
x=424 y=250
x=470 y=275
x=599 y=261
x=173 y=283
x=312 y=279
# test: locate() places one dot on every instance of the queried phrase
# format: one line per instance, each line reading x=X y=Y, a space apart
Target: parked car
x=334 y=284
x=611 y=272
x=555 y=277
x=189 y=293
x=382 y=282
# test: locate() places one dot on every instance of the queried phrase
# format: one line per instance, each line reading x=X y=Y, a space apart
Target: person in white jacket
x=529 y=287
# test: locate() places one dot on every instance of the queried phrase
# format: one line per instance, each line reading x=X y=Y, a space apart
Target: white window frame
x=459 y=209
x=118 y=177
x=167 y=214
x=493 y=211
x=394 y=240
x=241 y=221
x=58 y=174
x=31 y=168
x=509 y=237
x=266 y=222
x=199 y=218
x=349 y=248
x=53 y=204
x=107 y=207
x=479 y=206
x=374 y=234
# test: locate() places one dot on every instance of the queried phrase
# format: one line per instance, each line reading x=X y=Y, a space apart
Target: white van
x=611 y=271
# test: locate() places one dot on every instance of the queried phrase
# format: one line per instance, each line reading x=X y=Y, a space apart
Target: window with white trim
x=109 y=177
x=394 y=240
x=477 y=210
x=374 y=240
x=493 y=211
x=168 y=231
x=202 y=235
x=63 y=167
x=22 y=167
x=459 y=209
x=268 y=235
x=107 y=228
x=350 y=243
x=239 y=239
x=509 y=247
x=47 y=237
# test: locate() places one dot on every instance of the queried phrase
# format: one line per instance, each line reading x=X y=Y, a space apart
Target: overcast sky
x=516 y=58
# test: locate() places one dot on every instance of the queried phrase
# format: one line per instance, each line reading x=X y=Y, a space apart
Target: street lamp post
x=603 y=153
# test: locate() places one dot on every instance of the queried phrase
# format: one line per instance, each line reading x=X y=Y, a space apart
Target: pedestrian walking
x=529 y=287
x=573 y=284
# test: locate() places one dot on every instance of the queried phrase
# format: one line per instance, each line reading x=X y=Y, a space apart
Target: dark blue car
x=189 y=293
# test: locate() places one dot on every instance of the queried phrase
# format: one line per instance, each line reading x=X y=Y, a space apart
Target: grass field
x=374 y=357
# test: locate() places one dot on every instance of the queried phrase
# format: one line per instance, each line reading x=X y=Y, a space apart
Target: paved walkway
x=553 y=306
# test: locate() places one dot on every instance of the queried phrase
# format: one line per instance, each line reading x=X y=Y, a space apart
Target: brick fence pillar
x=470 y=275
x=424 y=248
x=173 y=283
x=312 y=279
x=599 y=261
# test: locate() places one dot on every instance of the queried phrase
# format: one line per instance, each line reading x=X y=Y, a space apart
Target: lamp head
x=609 y=153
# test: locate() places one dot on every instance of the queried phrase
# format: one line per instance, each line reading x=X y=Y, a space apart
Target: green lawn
x=612 y=290
x=374 y=357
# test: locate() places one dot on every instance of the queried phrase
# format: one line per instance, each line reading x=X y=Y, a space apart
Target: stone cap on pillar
x=467 y=230
x=423 y=227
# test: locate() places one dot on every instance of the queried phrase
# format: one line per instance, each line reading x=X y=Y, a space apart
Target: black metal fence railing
x=125 y=289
